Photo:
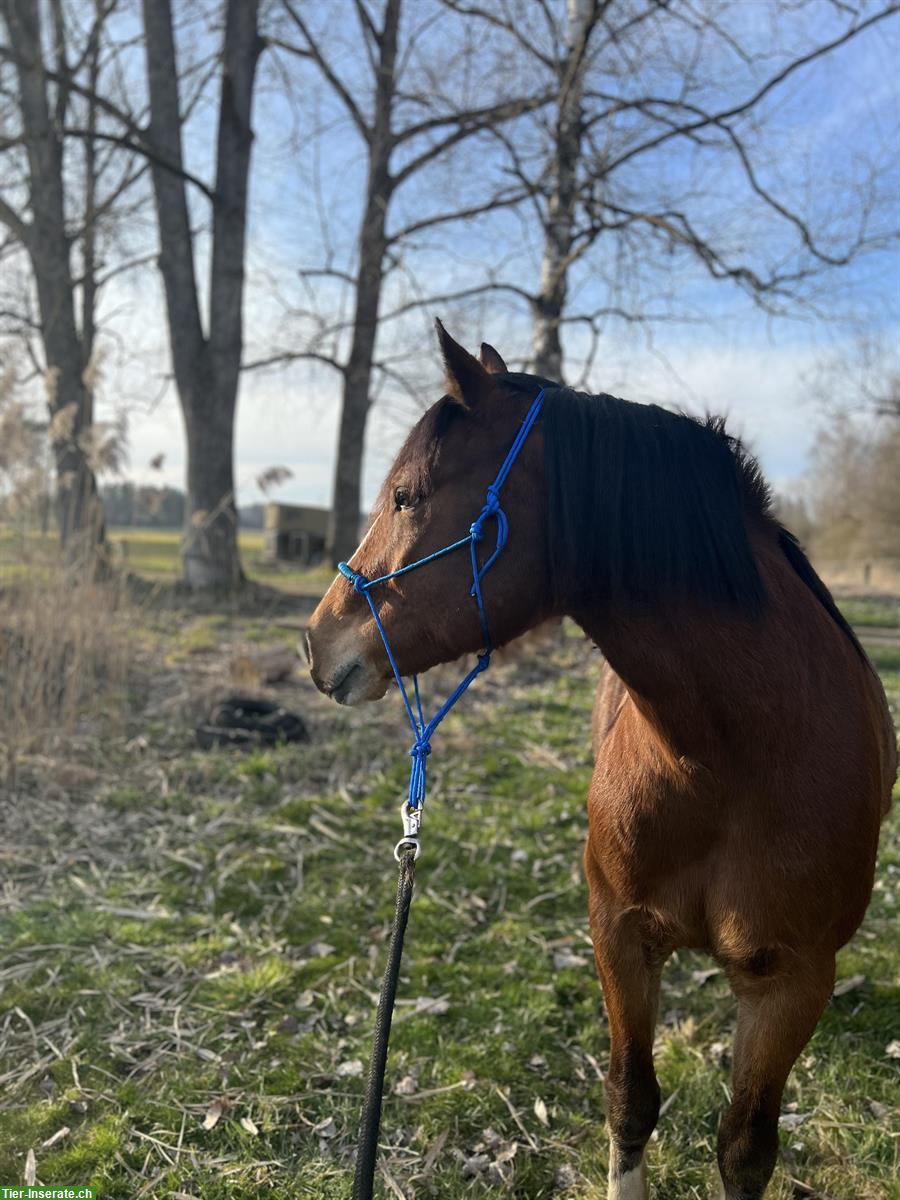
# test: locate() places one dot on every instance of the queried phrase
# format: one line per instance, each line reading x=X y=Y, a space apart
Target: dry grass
x=65 y=645
x=65 y=652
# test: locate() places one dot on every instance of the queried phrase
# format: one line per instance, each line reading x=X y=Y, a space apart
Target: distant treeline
x=130 y=505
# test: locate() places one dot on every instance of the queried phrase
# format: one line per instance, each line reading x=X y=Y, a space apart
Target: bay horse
x=744 y=752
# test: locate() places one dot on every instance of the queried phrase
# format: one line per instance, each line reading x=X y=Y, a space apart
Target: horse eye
x=402 y=498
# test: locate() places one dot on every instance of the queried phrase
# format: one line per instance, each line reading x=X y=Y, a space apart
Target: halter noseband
x=412 y=807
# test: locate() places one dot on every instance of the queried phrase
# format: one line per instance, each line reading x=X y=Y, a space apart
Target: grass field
x=154 y=555
x=193 y=943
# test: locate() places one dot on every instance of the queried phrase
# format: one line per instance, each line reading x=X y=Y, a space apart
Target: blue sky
x=823 y=127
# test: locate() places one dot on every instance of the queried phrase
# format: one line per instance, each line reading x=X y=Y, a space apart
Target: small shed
x=296 y=533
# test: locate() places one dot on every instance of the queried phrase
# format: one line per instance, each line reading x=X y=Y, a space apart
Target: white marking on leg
x=631 y=1185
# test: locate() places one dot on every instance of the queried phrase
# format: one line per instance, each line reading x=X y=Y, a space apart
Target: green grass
x=881 y=611
x=188 y=934
x=154 y=554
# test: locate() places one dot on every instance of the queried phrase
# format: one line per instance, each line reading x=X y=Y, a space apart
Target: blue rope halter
x=422 y=729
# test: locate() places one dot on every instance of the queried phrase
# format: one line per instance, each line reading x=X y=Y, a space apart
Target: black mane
x=647 y=505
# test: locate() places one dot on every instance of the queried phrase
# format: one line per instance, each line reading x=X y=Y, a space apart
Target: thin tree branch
x=510 y=27
x=462 y=294
x=14 y=222
x=138 y=140
x=460 y=214
x=313 y=52
x=146 y=151
x=284 y=358
x=475 y=121
x=473 y=118
x=371 y=33
x=760 y=94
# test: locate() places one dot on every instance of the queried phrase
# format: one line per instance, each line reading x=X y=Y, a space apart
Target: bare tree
x=854 y=480
x=47 y=212
x=560 y=212
x=635 y=79
x=862 y=378
x=404 y=129
x=206 y=363
x=854 y=470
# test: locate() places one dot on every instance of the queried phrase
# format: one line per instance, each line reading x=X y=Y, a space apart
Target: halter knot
x=419 y=752
x=420 y=748
x=359 y=581
x=491 y=509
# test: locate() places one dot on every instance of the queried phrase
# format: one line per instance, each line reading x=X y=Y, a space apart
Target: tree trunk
x=79 y=510
x=207 y=371
x=343 y=532
x=343 y=529
x=210 y=555
x=549 y=304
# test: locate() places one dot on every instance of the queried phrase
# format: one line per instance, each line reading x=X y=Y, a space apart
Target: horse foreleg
x=629 y=966
x=777 y=1013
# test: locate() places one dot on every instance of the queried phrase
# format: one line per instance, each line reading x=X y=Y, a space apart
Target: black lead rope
x=367 y=1149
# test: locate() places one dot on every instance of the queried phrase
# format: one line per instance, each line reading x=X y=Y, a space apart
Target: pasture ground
x=193 y=942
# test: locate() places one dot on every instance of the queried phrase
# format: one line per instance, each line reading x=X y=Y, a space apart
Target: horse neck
x=710 y=685
x=690 y=705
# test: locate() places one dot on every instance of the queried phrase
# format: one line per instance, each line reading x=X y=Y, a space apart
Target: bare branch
x=468 y=293
x=752 y=101
x=468 y=123
x=313 y=52
x=491 y=17
x=138 y=138
x=473 y=119
x=460 y=214
x=783 y=211
x=285 y=358
x=146 y=151
x=14 y=222
x=326 y=273
x=371 y=33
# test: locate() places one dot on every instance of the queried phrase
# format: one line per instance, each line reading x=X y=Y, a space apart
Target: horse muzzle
x=339 y=667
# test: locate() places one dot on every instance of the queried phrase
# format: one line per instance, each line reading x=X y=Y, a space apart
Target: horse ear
x=491 y=360
x=466 y=377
